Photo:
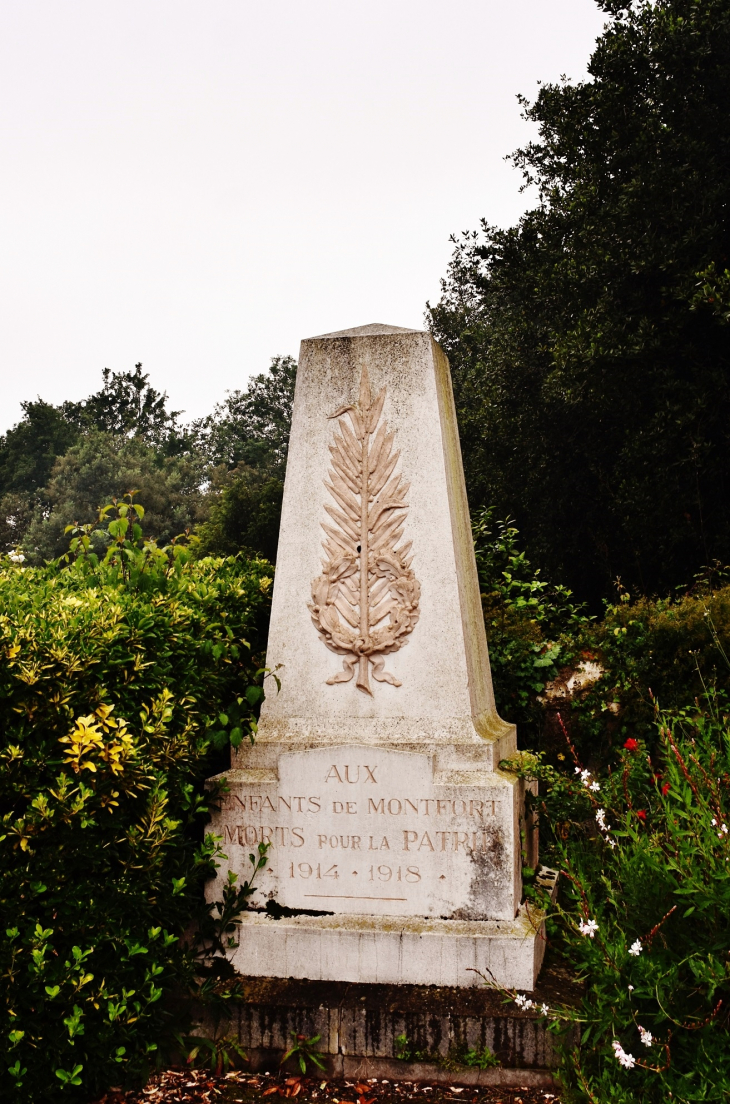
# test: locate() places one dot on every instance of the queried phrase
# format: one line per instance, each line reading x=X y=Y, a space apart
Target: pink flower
x=627 y=1060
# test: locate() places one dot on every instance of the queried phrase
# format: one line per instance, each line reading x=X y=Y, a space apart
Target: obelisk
x=375 y=773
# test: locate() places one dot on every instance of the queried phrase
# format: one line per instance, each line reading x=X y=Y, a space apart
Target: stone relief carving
x=365 y=602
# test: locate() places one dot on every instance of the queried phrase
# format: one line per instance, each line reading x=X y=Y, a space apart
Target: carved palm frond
x=365 y=602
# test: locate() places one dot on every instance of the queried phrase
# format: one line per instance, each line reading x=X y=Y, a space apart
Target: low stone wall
x=410 y=1032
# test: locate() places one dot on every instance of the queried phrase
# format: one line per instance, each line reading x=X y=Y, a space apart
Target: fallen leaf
x=363 y=1089
x=268 y=1092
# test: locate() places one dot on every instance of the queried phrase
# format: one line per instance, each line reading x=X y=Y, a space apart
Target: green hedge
x=117 y=681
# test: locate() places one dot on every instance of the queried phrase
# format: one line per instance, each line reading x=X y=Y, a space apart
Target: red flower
x=641 y=814
x=665 y=789
x=631 y=744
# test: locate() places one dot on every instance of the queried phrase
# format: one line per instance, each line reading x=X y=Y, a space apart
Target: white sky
x=199 y=185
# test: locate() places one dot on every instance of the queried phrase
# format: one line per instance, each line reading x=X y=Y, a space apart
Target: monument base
x=393 y=950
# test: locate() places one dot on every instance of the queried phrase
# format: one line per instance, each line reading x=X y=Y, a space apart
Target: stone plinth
x=391 y=950
x=375 y=773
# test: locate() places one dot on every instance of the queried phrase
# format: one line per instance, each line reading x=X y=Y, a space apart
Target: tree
x=28 y=450
x=128 y=406
x=589 y=343
x=102 y=467
x=244 y=516
x=252 y=426
x=247 y=439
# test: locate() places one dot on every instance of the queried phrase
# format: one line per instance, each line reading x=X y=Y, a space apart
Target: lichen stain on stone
x=488 y=870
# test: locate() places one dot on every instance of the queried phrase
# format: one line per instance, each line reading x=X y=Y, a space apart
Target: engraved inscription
x=360 y=829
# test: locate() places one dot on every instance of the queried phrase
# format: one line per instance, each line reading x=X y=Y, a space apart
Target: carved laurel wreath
x=365 y=602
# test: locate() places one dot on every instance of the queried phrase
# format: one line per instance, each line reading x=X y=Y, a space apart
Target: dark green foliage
x=128 y=406
x=645 y=857
x=639 y=653
x=252 y=427
x=589 y=344
x=247 y=437
x=244 y=517
x=101 y=466
x=663 y=651
x=59 y=464
x=534 y=627
x=117 y=679
x=28 y=450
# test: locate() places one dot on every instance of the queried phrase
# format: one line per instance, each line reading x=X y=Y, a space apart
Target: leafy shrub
x=641 y=833
x=644 y=914
x=643 y=650
x=119 y=677
x=534 y=627
x=667 y=650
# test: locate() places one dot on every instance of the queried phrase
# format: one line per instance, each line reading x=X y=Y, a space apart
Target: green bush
x=100 y=465
x=645 y=650
x=634 y=809
x=644 y=912
x=668 y=651
x=534 y=627
x=119 y=678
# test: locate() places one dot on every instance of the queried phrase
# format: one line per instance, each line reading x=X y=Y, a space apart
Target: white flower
x=611 y=843
x=16 y=557
x=635 y=948
x=523 y=1002
x=544 y=1009
x=627 y=1060
x=584 y=776
x=631 y=988
x=601 y=818
x=588 y=927
x=594 y=786
x=646 y=1036
x=713 y=822
x=577 y=770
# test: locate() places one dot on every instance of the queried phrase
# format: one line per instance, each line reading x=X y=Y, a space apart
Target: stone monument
x=395 y=838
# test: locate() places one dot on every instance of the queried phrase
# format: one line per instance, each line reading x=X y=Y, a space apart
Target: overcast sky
x=198 y=185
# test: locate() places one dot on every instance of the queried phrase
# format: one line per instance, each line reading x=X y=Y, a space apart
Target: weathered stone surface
x=445 y=700
x=362 y=1023
x=393 y=950
x=361 y=829
x=375 y=773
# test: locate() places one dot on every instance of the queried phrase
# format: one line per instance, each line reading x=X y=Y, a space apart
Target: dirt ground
x=201 y=1087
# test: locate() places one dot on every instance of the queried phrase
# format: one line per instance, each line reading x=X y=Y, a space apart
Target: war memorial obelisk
x=395 y=838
